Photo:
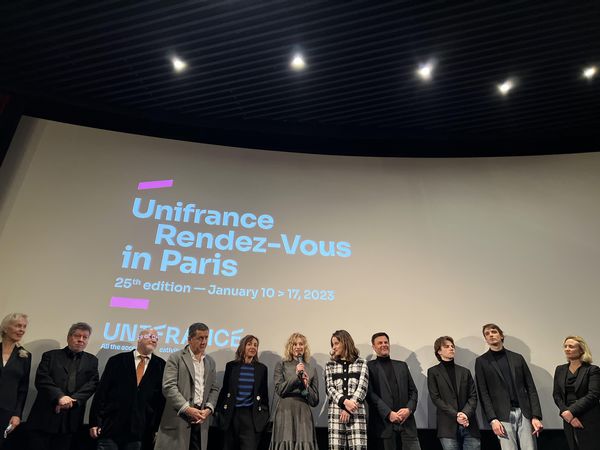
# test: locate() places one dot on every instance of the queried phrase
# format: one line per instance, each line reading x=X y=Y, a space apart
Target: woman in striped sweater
x=243 y=405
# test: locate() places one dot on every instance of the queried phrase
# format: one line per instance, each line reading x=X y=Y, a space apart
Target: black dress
x=580 y=394
x=14 y=384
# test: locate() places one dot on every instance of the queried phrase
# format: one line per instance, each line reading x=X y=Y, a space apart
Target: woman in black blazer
x=14 y=372
x=577 y=395
x=243 y=404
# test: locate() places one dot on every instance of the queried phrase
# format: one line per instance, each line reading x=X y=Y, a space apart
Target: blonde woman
x=14 y=372
x=297 y=387
x=346 y=383
x=577 y=394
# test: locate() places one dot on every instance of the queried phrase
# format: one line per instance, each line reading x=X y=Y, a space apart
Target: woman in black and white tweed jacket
x=346 y=382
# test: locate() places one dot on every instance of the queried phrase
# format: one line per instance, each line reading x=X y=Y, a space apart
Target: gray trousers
x=518 y=432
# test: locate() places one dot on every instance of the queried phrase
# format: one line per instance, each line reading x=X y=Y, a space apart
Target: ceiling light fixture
x=298 y=62
x=590 y=72
x=425 y=71
x=178 y=64
x=505 y=87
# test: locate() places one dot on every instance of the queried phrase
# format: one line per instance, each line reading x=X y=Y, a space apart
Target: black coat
x=586 y=408
x=14 y=382
x=260 y=395
x=449 y=402
x=380 y=400
x=121 y=408
x=51 y=380
x=494 y=392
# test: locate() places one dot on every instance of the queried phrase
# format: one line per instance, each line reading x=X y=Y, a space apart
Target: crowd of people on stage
x=143 y=402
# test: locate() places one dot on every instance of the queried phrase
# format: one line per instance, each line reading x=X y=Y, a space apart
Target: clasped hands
x=197 y=416
x=351 y=407
x=399 y=416
x=65 y=402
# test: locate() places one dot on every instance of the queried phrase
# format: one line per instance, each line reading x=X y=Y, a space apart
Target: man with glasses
x=127 y=407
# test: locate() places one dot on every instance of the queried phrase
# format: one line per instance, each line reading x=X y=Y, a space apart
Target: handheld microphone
x=300 y=361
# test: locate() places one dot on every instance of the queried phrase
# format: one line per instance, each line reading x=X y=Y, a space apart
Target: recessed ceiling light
x=178 y=64
x=505 y=87
x=590 y=72
x=298 y=62
x=425 y=71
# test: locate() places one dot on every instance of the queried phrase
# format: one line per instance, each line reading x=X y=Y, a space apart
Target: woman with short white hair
x=14 y=372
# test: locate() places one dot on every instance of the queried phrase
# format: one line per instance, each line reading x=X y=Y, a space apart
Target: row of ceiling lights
x=424 y=71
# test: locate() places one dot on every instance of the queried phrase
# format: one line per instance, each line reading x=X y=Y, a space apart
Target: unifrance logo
x=170 y=334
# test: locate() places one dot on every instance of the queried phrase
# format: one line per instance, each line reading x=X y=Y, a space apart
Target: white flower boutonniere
x=23 y=353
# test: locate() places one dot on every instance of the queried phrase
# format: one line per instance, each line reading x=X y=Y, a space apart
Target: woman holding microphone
x=297 y=388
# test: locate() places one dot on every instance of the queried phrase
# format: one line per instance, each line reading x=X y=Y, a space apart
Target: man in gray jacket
x=191 y=390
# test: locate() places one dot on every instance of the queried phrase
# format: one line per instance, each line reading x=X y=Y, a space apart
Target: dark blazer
x=586 y=408
x=449 y=402
x=260 y=394
x=379 y=397
x=493 y=390
x=51 y=381
x=14 y=382
x=121 y=408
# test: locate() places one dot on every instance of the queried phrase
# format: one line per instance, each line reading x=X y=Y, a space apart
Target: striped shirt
x=243 y=398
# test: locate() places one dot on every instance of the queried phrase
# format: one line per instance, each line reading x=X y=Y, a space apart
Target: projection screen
x=125 y=231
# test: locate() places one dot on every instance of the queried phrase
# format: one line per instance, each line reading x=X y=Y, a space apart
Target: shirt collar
x=136 y=355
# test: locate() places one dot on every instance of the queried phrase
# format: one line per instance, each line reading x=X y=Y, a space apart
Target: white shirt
x=198 y=379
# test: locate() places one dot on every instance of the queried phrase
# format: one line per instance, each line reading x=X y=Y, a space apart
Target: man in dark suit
x=392 y=398
x=452 y=390
x=127 y=407
x=507 y=393
x=65 y=379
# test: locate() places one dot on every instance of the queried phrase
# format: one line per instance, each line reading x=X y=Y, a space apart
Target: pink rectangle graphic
x=154 y=184
x=130 y=303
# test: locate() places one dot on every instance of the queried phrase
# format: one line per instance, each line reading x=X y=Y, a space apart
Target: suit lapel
x=186 y=355
x=512 y=363
x=131 y=368
x=233 y=381
x=495 y=365
x=445 y=376
x=583 y=370
x=561 y=375
x=383 y=380
x=459 y=374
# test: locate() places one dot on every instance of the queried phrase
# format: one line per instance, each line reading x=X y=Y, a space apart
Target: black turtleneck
x=388 y=369
x=502 y=360
x=449 y=366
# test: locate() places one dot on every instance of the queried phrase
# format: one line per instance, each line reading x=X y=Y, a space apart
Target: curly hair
x=288 y=351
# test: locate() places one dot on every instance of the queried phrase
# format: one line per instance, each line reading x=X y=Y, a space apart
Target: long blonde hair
x=586 y=353
x=288 y=351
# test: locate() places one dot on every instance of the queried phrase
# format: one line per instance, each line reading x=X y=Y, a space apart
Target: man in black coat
x=128 y=405
x=452 y=390
x=392 y=398
x=507 y=393
x=65 y=379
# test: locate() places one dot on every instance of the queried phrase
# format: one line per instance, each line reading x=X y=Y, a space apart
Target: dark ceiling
x=106 y=64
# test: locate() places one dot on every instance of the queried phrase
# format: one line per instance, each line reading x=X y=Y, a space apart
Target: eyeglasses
x=148 y=336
